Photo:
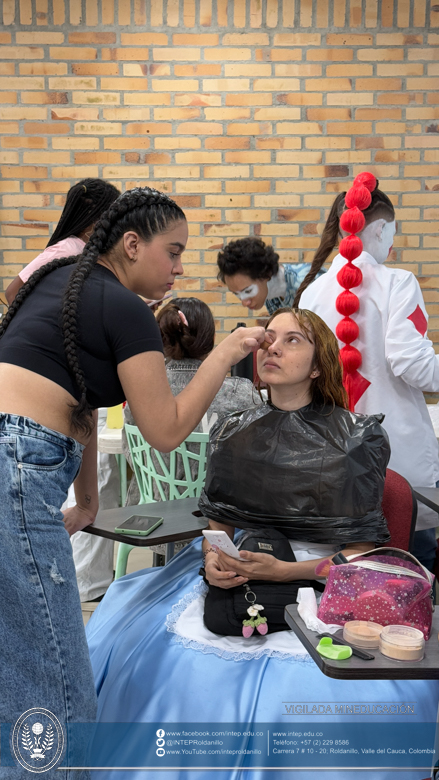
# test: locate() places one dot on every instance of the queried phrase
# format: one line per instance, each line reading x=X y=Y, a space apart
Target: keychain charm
x=256 y=621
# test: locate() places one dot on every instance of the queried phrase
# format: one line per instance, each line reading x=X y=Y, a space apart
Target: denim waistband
x=18 y=425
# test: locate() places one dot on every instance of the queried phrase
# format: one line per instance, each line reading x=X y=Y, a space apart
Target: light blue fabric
x=294 y=276
x=143 y=674
x=43 y=651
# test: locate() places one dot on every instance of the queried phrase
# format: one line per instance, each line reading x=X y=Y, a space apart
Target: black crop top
x=113 y=324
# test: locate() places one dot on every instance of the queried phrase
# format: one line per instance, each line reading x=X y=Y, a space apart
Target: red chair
x=400 y=509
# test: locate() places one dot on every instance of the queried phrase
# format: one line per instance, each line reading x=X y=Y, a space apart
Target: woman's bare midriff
x=31 y=395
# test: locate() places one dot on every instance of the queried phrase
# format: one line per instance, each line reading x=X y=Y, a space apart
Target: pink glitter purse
x=386 y=585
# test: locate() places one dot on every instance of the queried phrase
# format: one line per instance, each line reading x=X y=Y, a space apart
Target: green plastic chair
x=151 y=471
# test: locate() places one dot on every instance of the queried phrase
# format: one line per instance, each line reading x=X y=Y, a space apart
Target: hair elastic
x=183 y=318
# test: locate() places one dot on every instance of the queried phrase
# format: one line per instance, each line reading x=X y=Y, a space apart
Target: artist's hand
x=257 y=566
x=240 y=343
x=76 y=518
x=221 y=576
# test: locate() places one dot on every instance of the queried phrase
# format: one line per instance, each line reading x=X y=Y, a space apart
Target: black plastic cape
x=316 y=474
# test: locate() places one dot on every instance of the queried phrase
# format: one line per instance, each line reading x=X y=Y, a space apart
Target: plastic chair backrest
x=400 y=510
x=173 y=478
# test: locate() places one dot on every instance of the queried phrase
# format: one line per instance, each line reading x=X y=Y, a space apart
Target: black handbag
x=226 y=609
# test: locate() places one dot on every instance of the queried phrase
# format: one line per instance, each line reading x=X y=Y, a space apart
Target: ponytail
x=347 y=214
x=187 y=328
x=328 y=241
x=352 y=221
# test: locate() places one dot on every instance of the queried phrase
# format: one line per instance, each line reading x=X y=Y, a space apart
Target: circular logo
x=37 y=740
x=160 y=733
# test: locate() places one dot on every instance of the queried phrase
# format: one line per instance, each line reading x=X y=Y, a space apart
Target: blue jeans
x=44 y=660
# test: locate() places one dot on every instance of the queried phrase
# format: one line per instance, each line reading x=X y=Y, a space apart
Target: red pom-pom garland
x=352 y=221
x=351 y=359
x=347 y=303
x=349 y=276
x=347 y=330
x=367 y=180
x=358 y=196
x=350 y=248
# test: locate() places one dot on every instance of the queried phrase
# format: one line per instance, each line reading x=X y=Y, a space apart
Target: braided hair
x=380 y=208
x=143 y=210
x=189 y=336
x=84 y=204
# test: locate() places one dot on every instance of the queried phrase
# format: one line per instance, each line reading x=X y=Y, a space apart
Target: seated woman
x=155 y=662
x=187 y=329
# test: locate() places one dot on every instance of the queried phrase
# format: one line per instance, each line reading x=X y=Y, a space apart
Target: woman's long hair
x=144 y=210
x=327 y=388
x=189 y=336
x=351 y=212
x=85 y=203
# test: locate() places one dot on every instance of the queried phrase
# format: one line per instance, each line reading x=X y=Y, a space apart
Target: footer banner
x=39 y=742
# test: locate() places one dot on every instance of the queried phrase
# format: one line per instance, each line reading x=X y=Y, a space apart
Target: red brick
x=92 y=37
x=227 y=143
x=41 y=128
x=349 y=128
x=153 y=128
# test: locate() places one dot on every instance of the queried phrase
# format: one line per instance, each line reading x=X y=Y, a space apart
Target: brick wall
x=252 y=113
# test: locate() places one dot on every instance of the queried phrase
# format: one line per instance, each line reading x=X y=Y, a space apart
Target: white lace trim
x=199 y=590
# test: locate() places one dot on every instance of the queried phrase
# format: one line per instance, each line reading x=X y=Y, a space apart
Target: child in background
x=251 y=270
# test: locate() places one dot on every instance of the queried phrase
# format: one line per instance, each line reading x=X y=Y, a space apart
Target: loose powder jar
x=402 y=643
x=362 y=633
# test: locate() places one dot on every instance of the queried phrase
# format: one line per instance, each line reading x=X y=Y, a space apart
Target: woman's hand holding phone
x=257 y=566
x=220 y=576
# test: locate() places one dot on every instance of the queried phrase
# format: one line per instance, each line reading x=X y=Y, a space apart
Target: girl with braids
x=77 y=337
x=84 y=204
x=251 y=270
x=379 y=317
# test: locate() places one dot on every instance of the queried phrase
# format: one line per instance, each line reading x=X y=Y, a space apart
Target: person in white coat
x=398 y=361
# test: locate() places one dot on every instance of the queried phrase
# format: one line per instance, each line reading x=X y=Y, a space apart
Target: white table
x=110 y=441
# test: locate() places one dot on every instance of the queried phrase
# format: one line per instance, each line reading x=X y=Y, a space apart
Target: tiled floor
x=139 y=558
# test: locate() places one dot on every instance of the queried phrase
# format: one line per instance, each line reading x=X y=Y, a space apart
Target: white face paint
x=377 y=238
x=250 y=292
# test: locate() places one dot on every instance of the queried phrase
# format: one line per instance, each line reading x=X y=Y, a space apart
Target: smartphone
x=139 y=525
x=160 y=300
x=220 y=540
